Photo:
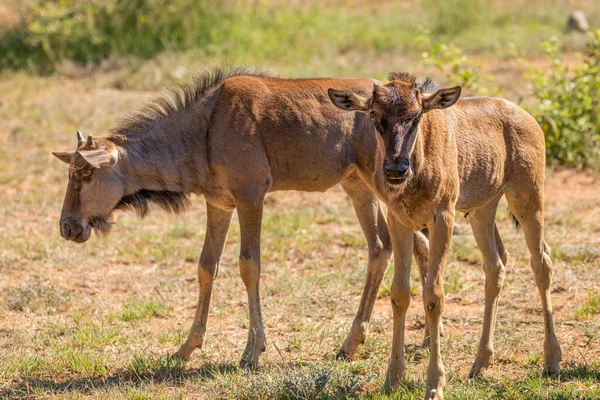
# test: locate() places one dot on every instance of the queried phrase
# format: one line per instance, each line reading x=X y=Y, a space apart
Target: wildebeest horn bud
x=90 y=141
x=378 y=88
x=80 y=137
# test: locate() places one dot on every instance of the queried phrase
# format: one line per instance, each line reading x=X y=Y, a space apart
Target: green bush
x=568 y=98
x=90 y=31
x=457 y=68
x=568 y=107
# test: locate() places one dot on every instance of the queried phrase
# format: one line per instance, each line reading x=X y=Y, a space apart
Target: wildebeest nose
x=70 y=228
x=394 y=170
x=404 y=167
x=66 y=230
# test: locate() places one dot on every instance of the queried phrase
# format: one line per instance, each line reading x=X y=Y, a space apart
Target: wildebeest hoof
x=434 y=395
x=387 y=387
x=249 y=361
x=551 y=370
x=392 y=381
x=183 y=353
x=475 y=372
x=342 y=355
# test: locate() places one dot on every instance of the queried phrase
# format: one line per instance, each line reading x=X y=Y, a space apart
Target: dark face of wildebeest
x=396 y=109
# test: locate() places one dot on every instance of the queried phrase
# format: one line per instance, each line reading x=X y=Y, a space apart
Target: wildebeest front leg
x=433 y=299
x=217 y=225
x=375 y=230
x=250 y=216
x=402 y=239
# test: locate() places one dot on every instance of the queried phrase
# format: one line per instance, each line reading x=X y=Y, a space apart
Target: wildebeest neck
x=172 y=158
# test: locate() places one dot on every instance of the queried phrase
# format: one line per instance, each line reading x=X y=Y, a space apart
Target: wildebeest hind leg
x=373 y=225
x=528 y=209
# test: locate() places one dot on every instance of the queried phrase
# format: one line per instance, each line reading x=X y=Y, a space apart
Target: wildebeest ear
x=348 y=101
x=443 y=98
x=100 y=158
x=64 y=156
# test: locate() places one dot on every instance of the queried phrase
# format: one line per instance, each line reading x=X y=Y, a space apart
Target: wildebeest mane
x=102 y=225
x=142 y=200
x=402 y=76
x=178 y=98
x=427 y=86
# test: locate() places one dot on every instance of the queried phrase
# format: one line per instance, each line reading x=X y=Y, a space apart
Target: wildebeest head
x=396 y=109
x=95 y=188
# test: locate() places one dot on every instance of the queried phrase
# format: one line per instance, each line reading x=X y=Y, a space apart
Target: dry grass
x=99 y=320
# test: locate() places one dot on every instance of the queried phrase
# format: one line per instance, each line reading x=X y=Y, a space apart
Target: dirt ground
x=98 y=320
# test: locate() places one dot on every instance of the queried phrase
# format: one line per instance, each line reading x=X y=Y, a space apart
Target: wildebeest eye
x=372 y=115
x=83 y=174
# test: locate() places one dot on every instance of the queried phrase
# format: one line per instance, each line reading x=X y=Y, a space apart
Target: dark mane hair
x=427 y=86
x=402 y=76
x=142 y=200
x=179 y=97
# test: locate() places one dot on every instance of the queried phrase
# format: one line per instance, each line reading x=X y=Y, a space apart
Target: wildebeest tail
x=514 y=220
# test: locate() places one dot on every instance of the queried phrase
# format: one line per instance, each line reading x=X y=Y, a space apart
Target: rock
x=577 y=22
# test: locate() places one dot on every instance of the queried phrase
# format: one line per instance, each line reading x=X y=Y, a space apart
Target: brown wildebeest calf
x=433 y=160
x=233 y=136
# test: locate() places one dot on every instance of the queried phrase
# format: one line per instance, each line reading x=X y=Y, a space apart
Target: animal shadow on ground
x=300 y=380
x=580 y=372
x=174 y=373
x=293 y=380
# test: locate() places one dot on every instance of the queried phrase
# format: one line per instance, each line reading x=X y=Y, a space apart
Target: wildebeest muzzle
x=396 y=171
x=71 y=229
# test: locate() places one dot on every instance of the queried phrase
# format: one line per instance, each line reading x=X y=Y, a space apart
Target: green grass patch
x=182 y=231
x=464 y=250
x=144 y=310
x=386 y=284
x=453 y=281
x=287 y=224
x=590 y=307
x=147 y=367
x=82 y=362
x=385 y=288
x=96 y=336
x=24 y=366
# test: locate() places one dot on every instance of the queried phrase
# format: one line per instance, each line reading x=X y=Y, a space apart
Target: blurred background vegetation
x=514 y=48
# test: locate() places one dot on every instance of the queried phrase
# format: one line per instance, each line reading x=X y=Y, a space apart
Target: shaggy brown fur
x=435 y=159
